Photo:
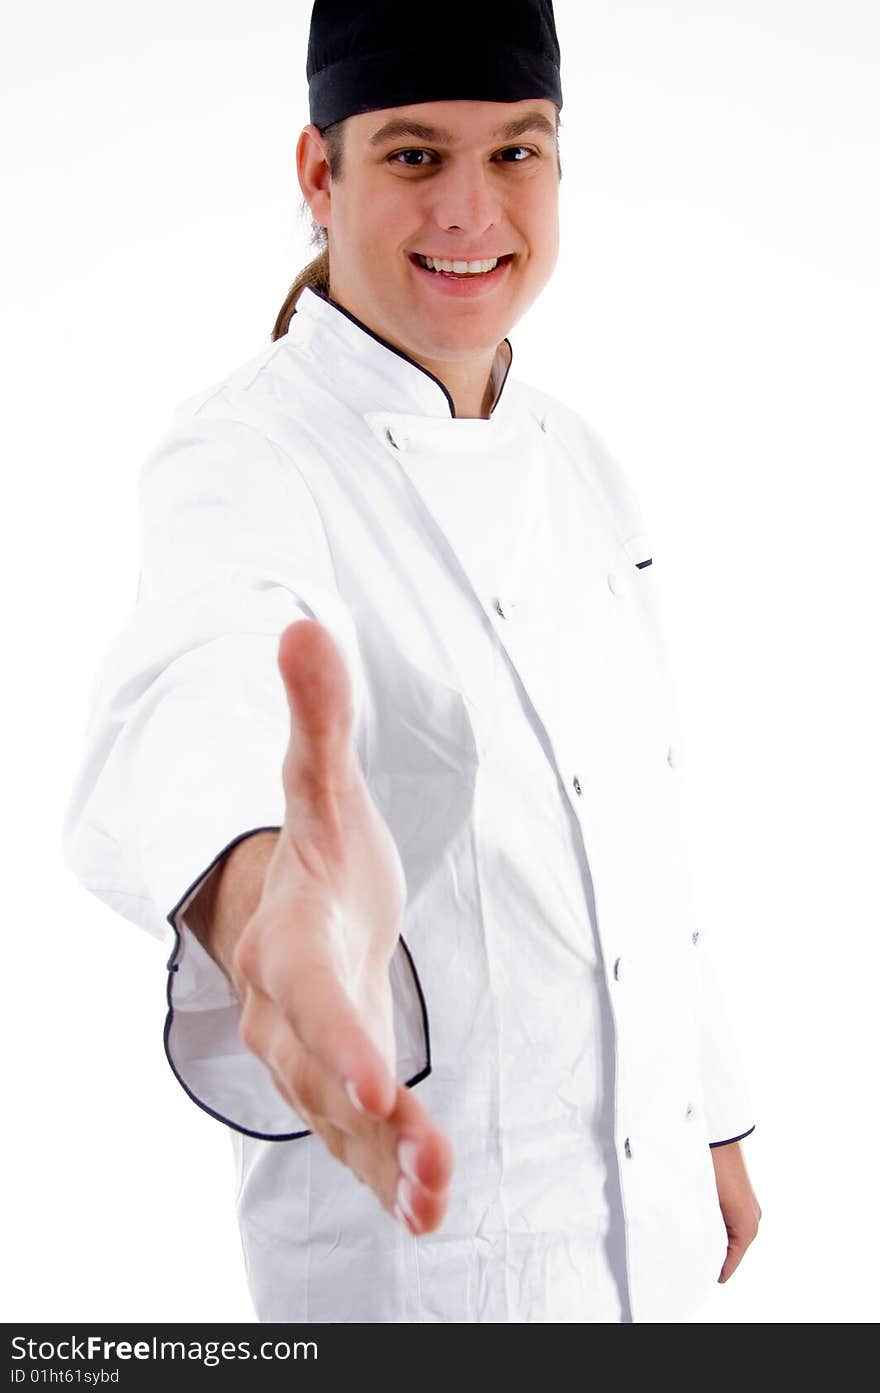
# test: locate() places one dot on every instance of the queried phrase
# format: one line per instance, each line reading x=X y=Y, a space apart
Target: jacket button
x=617 y=969
x=613 y=582
x=627 y=1148
x=672 y=756
x=577 y=784
x=695 y=936
x=389 y=436
x=499 y=605
x=689 y=1112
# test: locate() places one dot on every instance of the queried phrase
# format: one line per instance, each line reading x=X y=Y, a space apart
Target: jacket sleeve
x=727 y=1100
x=187 y=728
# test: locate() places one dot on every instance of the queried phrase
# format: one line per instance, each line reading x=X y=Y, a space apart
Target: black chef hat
x=367 y=56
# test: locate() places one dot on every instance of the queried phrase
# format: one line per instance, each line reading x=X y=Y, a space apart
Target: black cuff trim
x=423 y=1073
x=172 y=966
x=728 y=1140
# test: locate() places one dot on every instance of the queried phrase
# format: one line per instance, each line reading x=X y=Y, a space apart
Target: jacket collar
x=371 y=373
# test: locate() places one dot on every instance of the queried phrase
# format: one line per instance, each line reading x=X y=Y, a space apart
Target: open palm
x=311 y=964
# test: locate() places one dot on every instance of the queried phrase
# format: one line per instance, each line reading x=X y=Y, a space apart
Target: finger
x=368 y=1149
x=405 y=1159
x=321 y=704
x=312 y=1088
x=424 y=1157
x=411 y=1134
x=421 y=1210
x=735 y=1251
x=423 y=1150
x=301 y=1079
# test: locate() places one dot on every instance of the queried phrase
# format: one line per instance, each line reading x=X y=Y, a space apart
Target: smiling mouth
x=461 y=270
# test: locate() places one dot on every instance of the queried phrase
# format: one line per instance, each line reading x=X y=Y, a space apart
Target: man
x=441 y=978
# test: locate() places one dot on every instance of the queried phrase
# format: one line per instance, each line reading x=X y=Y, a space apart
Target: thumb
x=319 y=695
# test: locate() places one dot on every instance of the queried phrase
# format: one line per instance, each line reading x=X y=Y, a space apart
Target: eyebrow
x=406 y=126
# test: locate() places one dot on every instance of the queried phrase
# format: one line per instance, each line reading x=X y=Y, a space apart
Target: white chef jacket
x=491 y=585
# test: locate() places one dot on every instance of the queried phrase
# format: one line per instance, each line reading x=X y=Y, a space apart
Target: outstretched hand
x=311 y=965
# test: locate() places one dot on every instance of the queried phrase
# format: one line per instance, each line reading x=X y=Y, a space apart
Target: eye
x=512 y=150
x=396 y=157
x=417 y=158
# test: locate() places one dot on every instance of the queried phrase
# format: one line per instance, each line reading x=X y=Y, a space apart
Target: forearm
x=229 y=897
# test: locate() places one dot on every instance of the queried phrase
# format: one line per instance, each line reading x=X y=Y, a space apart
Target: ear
x=313 y=172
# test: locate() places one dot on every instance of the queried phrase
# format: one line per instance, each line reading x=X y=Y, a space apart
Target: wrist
x=228 y=898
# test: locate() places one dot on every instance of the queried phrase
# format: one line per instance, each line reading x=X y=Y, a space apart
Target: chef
x=389 y=748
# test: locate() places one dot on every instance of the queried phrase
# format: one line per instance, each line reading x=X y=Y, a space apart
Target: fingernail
x=399 y=1215
x=404 y=1200
x=352 y=1093
x=407 y=1149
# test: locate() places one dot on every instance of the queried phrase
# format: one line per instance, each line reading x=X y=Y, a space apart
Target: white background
x=713 y=315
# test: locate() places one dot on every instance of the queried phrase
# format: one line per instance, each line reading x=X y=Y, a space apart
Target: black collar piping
x=405 y=356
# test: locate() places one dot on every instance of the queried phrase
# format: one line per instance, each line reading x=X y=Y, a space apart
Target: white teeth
x=461 y=268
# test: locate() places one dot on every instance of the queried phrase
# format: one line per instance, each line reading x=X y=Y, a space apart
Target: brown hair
x=317 y=272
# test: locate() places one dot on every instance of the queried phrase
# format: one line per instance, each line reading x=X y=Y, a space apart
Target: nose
x=466 y=199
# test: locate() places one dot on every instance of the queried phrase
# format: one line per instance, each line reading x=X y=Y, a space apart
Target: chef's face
x=456 y=181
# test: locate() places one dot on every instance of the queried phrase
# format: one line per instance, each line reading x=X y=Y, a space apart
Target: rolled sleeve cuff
x=209 y=1059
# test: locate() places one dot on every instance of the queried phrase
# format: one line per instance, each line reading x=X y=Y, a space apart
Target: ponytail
x=316 y=274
